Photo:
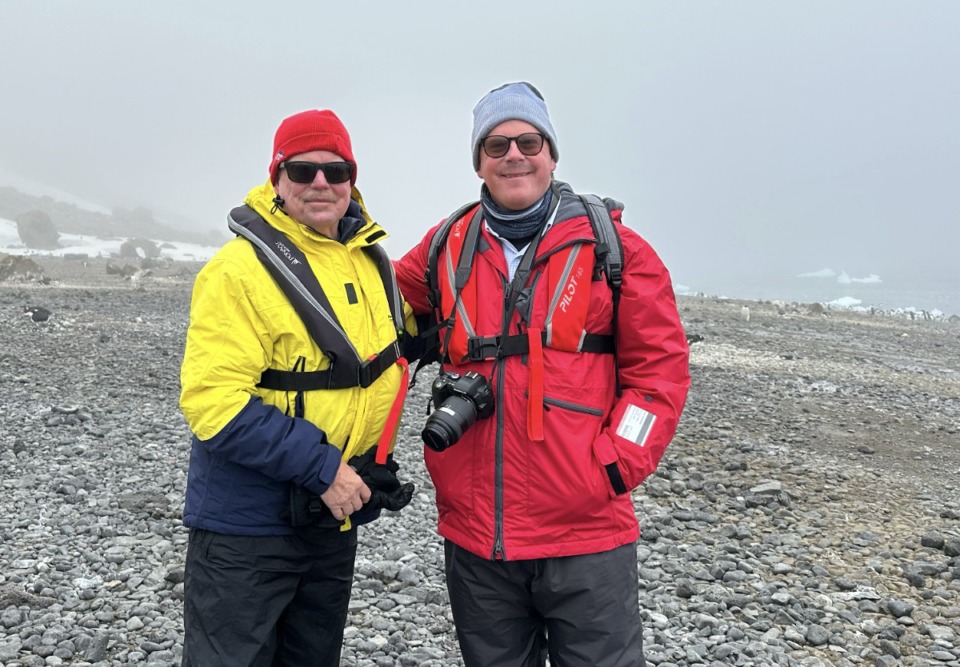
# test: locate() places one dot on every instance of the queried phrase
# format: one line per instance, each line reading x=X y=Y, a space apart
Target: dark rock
x=890 y=648
x=175 y=575
x=899 y=608
x=97 y=651
x=116 y=270
x=817 y=635
x=685 y=590
x=951 y=547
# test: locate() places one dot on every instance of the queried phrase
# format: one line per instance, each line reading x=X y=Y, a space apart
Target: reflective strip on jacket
x=501 y=494
x=248 y=446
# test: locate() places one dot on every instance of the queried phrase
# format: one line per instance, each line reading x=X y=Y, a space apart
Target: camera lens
x=448 y=422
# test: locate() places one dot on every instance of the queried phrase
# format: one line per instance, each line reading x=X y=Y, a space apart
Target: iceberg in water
x=872 y=278
x=843 y=277
x=844 y=302
x=822 y=273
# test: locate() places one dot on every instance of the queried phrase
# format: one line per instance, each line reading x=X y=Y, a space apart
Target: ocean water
x=934 y=295
x=937 y=294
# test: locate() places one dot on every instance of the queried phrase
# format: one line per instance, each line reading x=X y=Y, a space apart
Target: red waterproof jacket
x=552 y=477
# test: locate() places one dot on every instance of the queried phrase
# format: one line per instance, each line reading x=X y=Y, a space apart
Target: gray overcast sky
x=743 y=135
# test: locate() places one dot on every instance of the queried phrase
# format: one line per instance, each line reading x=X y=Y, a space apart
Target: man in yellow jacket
x=291 y=383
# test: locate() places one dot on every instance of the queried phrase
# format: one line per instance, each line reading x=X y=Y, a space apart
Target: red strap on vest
x=390 y=428
x=535 y=390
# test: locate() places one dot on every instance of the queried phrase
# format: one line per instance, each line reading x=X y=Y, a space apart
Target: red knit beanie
x=310 y=131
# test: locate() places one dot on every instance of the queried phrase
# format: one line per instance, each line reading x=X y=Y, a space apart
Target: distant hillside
x=71 y=219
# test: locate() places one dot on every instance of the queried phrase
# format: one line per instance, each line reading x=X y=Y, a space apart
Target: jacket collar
x=356 y=227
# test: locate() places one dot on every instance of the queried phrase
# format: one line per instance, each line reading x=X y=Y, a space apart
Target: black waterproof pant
x=582 y=611
x=276 y=601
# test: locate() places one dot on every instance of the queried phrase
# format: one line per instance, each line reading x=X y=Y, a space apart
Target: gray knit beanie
x=511 y=101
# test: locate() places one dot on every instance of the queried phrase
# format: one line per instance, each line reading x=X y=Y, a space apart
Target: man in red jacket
x=557 y=398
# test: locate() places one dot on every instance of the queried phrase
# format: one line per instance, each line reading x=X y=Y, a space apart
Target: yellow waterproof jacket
x=249 y=446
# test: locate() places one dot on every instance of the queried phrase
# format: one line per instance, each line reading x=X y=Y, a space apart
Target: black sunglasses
x=305 y=172
x=497 y=145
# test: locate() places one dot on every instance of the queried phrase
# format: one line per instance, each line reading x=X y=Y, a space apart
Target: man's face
x=318 y=205
x=516 y=180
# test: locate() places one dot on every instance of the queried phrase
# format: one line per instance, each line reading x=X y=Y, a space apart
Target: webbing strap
x=489 y=347
x=535 y=388
x=616 y=479
x=390 y=427
x=459 y=277
x=335 y=377
x=436 y=242
x=609 y=251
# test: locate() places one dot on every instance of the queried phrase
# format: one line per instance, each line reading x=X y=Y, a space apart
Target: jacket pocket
x=563 y=483
x=453 y=472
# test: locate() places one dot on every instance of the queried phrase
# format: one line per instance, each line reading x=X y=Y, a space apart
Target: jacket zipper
x=572 y=407
x=498 y=550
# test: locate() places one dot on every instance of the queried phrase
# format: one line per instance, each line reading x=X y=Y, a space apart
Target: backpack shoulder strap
x=609 y=254
x=437 y=241
x=430 y=340
x=609 y=248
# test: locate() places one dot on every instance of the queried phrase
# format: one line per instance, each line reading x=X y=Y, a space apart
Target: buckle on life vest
x=487 y=347
x=482 y=347
x=374 y=367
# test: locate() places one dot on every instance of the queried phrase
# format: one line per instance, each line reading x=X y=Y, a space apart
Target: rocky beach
x=807 y=514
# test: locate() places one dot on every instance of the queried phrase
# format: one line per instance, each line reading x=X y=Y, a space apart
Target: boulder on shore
x=36 y=231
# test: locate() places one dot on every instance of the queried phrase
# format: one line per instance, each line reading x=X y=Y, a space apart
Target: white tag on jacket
x=636 y=424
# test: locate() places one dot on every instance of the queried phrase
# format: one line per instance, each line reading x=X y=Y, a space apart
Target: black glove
x=386 y=491
x=425 y=345
x=392 y=500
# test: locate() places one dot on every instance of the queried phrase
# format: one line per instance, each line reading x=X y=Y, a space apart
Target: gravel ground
x=806 y=514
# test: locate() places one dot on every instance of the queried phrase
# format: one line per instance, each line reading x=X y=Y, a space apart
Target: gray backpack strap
x=430 y=336
x=437 y=241
x=609 y=254
x=609 y=248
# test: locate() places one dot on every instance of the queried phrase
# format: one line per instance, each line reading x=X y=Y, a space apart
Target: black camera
x=460 y=400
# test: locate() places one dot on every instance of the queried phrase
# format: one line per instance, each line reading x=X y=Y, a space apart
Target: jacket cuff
x=328 y=469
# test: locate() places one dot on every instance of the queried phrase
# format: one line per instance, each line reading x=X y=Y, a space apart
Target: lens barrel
x=448 y=422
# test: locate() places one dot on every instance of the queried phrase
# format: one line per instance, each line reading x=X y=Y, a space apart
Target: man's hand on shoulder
x=347 y=494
